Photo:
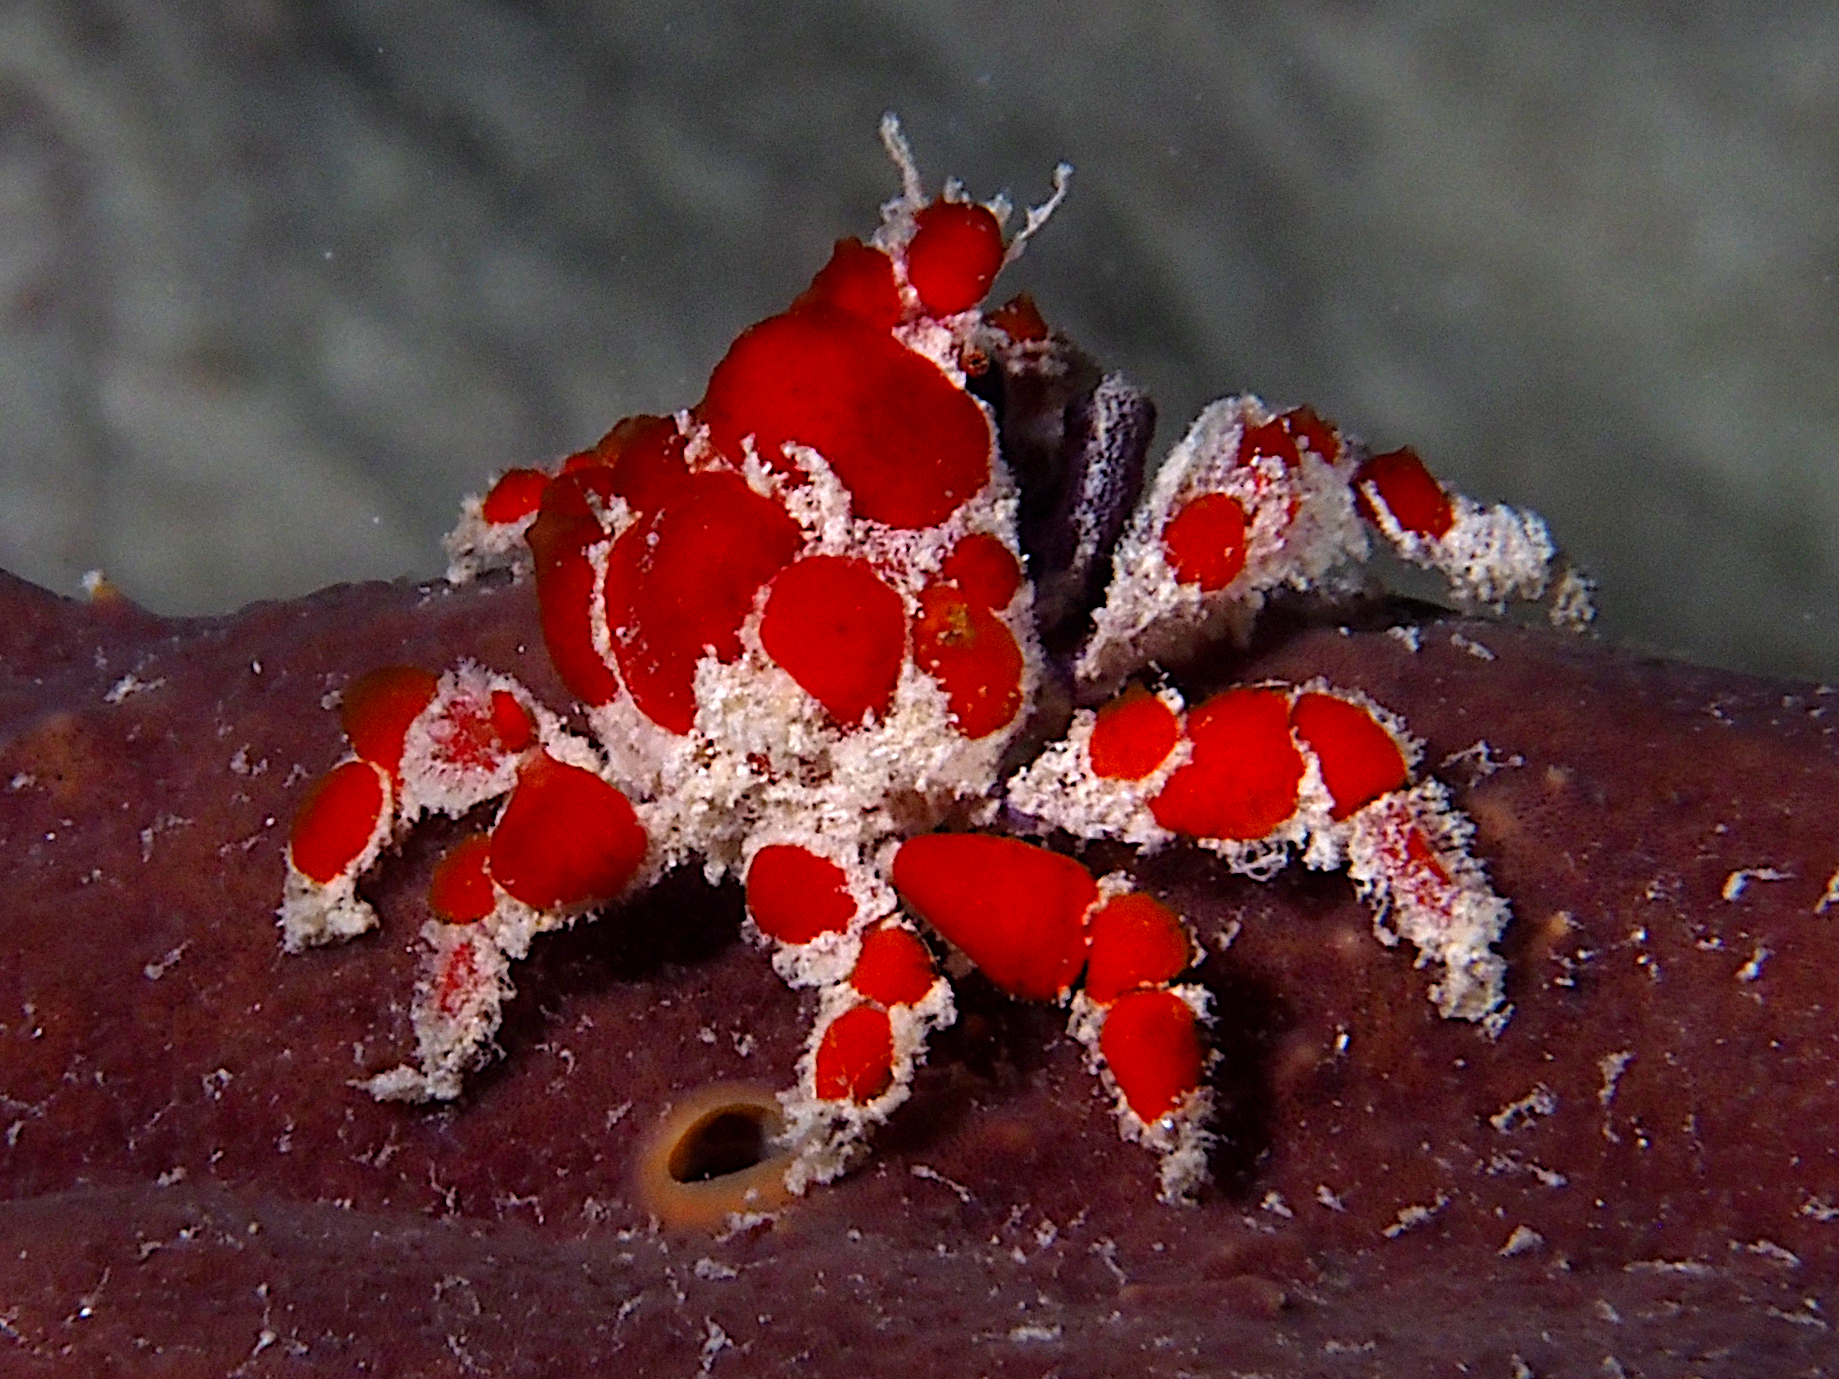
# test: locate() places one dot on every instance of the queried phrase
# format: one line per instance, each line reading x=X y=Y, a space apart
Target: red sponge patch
x=1241 y=781
x=1153 y=1050
x=794 y=895
x=954 y=256
x=336 y=820
x=1360 y=761
x=566 y=839
x=907 y=443
x=859 y=281
x=839 y=632
x=680 y=583
x=1017 y=911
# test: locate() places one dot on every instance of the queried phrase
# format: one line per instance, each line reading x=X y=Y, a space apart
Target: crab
x=843 y=632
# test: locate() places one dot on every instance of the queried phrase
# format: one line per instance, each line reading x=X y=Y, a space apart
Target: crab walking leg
x=1254 y=501
x=1255 y=772
x=830 y=924
x=1033 y=921
x=564 y=841
x=1408 y=856
x=1490 y=555
x=351 y=814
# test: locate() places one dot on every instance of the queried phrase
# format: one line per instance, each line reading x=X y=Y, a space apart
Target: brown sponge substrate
x=1638 y=1172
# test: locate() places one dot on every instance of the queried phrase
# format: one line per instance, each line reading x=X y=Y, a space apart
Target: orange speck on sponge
x=894 y=967
x=954 y=255
x=376 y=710
x=1205 y=541
x=1132 y=736
x=566 y=839
x=1016 y=910
x=337 y=820
x=1360 y=760
x=460 y=890
x=1242 y=779
x=794 y=895
x=1019 y=318
x=968 y=650
x=1137 y=941
x=1411 y=494
x=839 y=632
x=855 y=1057
x=1153 y=1050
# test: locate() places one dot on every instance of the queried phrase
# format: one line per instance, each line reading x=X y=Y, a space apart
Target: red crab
x=809 y=622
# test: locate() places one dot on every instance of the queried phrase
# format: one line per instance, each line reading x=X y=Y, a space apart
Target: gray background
x=280 y=281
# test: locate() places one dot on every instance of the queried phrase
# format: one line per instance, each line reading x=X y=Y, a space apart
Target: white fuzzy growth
x=312 y=914
x=436 y=776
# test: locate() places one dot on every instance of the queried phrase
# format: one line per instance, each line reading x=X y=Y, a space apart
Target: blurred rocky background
x=281 y=280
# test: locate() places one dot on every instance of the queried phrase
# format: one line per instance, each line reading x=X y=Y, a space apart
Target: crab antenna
x=1037 y=215
x=894 y=140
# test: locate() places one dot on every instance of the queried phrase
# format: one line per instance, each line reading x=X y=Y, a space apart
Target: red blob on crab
x=376 y=711
x=645 y=456
x=517 y=494
x=338 y=820
x=566 y=839
x=1152 y=1048
x=1132 y=736
x=681 y=582
x=1271 y=440
x=1241 y=781
x=954 y=255
x=1016 y=910
x=894 y=967
x=566 y=526
x=794 y=895
x=1137 y=941
x=839 y=632
x=907 y=442
x=1306 y=428
x=1410 y=493
x=984 y=568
